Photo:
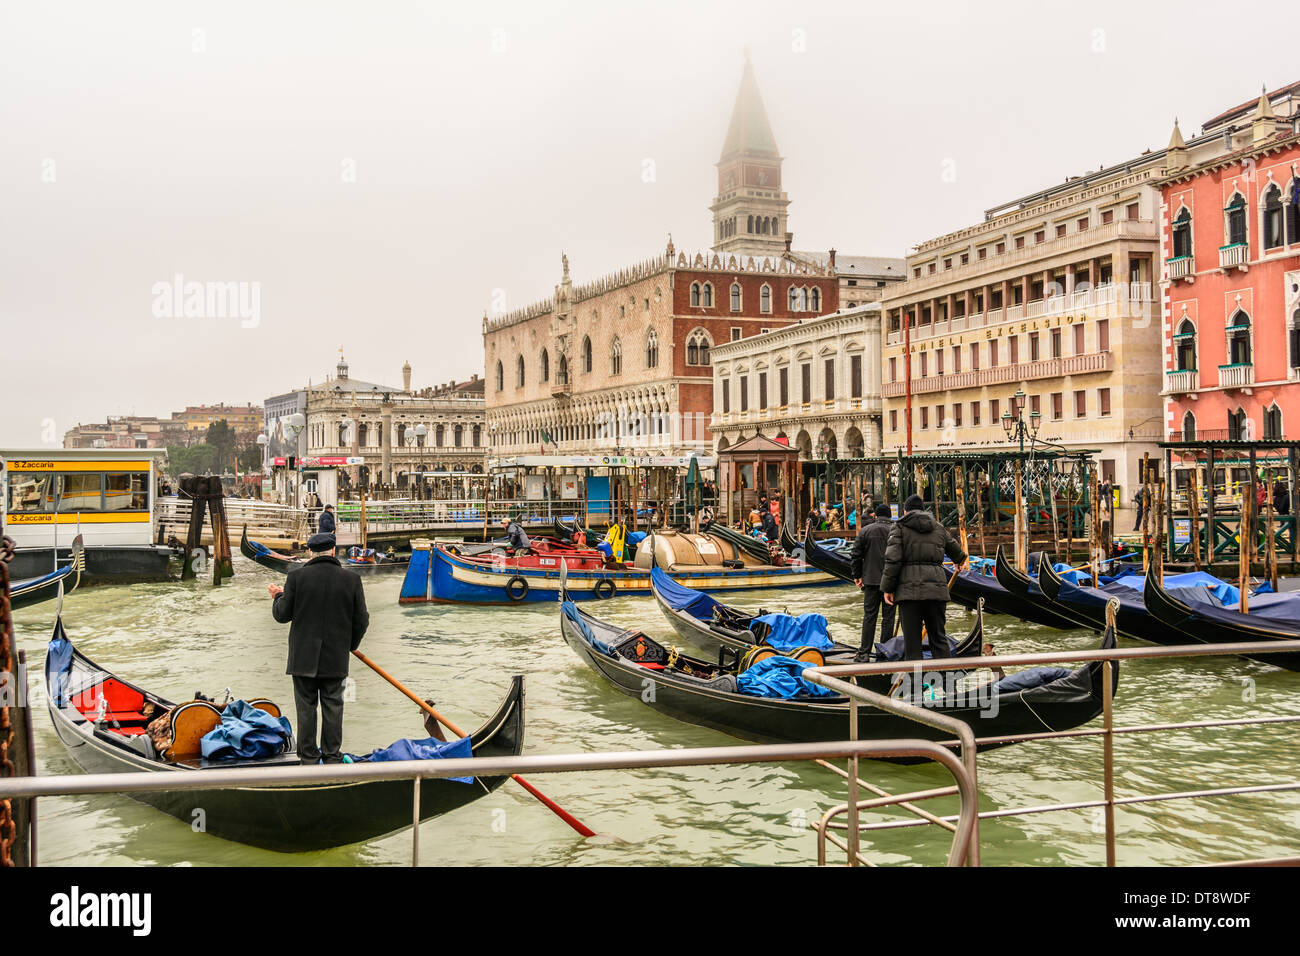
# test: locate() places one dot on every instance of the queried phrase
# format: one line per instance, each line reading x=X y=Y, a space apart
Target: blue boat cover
x=1026 y=679
x=58 y=664
x=788 y=631
x=431 y=748
x=894 y=649
x=570 y=610
x=780 y=677
x=1069 y=574
x=695 y=603
x=246 y=732
x=635 y=537
x=1222 y=592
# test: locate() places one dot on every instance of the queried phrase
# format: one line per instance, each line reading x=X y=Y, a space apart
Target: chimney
x=832 y=263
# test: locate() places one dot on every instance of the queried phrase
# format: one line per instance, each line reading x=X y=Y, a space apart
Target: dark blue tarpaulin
x=695 y=603
x=788 y=631
x=780 y=677
x=246 y=732
x=431 y=748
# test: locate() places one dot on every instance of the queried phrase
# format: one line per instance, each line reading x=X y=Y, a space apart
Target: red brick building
x=1231 y=237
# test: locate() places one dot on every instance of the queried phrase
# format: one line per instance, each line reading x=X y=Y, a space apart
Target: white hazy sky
x=210 y=139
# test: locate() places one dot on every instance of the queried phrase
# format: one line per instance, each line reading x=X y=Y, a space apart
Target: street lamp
x=293 y=426
x=1015 y=426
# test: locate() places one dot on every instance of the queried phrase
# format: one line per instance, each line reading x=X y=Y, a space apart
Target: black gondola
x=968 y=587
x=267 y=558
x=46 y=587
x=112 y=739
x=710 y=626
x=1087 y=605
x=704 y=693
x=1211 y=624
x=740 y=541
x=829 y=561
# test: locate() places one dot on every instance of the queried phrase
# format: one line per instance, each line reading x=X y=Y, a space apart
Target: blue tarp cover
x=58 y=663
x=246 y=732
x=894 y=649
x=695 y=603
x=1033 y=677
x=431 y=748
x=779 y=677
x=1222 y=592
x=788 y=631
x=570 y=610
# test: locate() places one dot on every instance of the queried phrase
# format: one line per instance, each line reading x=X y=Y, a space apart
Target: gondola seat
x=190 y=722
x=261 y=703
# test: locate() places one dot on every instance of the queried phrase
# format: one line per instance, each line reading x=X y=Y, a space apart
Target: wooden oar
x=550 y=804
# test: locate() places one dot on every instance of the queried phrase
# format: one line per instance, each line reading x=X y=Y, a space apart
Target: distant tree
x=222 y=438
x=195 y=459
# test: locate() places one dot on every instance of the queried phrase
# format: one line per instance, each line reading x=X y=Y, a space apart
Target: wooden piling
x=1194 y=516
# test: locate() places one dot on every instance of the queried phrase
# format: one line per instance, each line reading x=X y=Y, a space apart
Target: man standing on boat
x=914 y=579
x=867 y=565
x=325 y=607
x=519 y=542
x=326 y=522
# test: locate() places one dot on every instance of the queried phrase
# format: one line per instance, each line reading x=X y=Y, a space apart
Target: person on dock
x=914 y=580
x=867 y=566
x=325 y=524
x=324 y=605
x=1281 y=498
x=519 y=542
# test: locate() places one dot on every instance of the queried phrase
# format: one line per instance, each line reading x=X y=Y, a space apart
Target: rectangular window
x=1132 y=215
x=1108 y=470
x=762 y=390
x=1060 y=230
x=995 y=411
x=925 y=417
x=924 y=364
x=830 y=379
x=33 y=492
x=784 y=385
x=805 y=372
x=1103 y=335
x=974 y=413
x=1058 y=406
x=938 y=361
x=1040 y=235
x=127 y=492
x=893 y=369
x=1020 y=242
x=1056 y=343
x=1013 y=349
x=956 y=358
x=735 y=333
x=1083 y=223
x=81 y=492
x=1107 y=217
x=974 y=356
x=855 y=376
x=938 y=416
x=1035 y=404
x=1103 y=401
x=1033 y=347
x=993 y=353
x=744 y=393
x=1080 y=404
x=982 y=253
x=1078 y=339
x=956 y=414
x=726 y=395
x=1001 y=248
x=893 y=419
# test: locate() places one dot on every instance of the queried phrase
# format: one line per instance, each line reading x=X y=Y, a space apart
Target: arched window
x=439 y=433
x=1234 y=226
x=1189 y=427
x=1183 y=234
x=362 y=435
x=815 y=300
x=519 y=372
x=652 y=349
x=803 y=300
x=478 y=435
x=697 y=348
x=1185 y=347
x=546 y=367
x=1273 y=423
x=586 y=354
x=501 y=376
x=1293 y=336
x=765 y=299
x=749 y=228
x=695 y=295
x=1238 y=426
x=562 y=376
x=458 y=433
x=794 y=299
x=1239 y=339
x=616 y=357
x=1293 y=211
x=735 y=297
x=1273 y=237
x=707 y=295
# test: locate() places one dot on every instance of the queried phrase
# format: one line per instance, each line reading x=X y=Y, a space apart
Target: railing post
x=854 y=835
x=1108 y=757
x=415 y=822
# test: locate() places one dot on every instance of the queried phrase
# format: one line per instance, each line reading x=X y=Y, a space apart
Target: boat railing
x=418 y=770
x=847 y=816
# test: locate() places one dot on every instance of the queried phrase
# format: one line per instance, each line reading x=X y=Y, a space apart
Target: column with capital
x=386 y=441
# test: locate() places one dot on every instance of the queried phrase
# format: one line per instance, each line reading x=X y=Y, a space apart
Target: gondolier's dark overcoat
x=914 y=558
x=327 y=607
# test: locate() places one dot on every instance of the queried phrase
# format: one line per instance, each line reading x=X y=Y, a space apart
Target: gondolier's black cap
x=320 y=542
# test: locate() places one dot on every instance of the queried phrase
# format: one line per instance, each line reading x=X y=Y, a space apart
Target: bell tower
x=749 y=213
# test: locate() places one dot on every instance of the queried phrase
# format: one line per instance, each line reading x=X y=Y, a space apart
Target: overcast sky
x=380 y=170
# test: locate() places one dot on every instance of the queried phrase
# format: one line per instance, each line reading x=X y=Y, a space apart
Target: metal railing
x=418 y=770
x=832 y=677
x=264 y=519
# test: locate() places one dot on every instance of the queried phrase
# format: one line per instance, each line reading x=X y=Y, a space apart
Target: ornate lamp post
x=293 y=426
x=1015 y=427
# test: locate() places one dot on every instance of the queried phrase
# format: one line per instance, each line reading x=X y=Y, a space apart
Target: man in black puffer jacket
x=914 y=580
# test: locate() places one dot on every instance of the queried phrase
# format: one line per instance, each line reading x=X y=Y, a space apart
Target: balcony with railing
x=1181 y=267
x=1237 y=375
x=1233 y=256
x=1179 y=381
x=1087 y=363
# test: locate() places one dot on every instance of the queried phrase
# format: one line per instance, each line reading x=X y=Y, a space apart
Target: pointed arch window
x=1292 y=211
x=1185 y=347
x=562 y=373
x=519 y=372
x=1273 y=423
x=794 y=299
x=695 y=295
x=765 y=299
x=1183 y=235
x=1234 y=226
x=1189 y=427
x=586 y=353
x=735 y=297
x=1293 y=338
x=706 y=296
x=616 y=357
x=1239 y=348
x=697 y=348
x=546 y=367
x=439 y=434
x=652 y=349
x=501 y=376
x=1273 y=223
x=815 y=300
x=1238 y=426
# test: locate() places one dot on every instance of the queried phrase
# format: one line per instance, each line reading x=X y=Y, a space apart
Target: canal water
x=181 y=638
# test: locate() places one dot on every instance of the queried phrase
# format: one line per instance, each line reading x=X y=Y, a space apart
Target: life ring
x=517 y=588
x=604 y=588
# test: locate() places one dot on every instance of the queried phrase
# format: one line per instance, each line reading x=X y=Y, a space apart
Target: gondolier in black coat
x=325 y=607
x=914 y=579
x=326 y=524
x=867 y=565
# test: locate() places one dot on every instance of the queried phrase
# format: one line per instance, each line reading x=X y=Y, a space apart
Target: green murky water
x=177 y=638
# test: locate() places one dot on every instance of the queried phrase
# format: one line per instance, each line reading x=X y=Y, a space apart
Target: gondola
x=789 y=542
x=36 y=590
x=709 y=625
x=705 y=693
x=267 y=558
x=828 y=561
x=1211 y=624
x=969 y=587
x=738 y=539
x=286 y=818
